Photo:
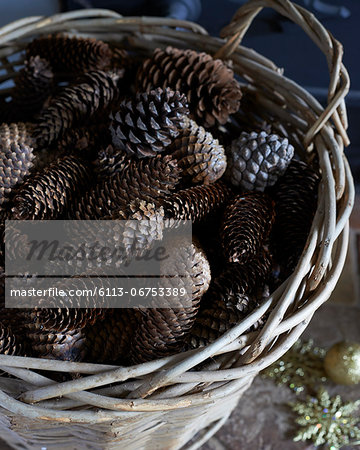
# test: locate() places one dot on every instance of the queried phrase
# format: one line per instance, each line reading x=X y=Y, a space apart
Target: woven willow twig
x=332 y=49
x=164 y=403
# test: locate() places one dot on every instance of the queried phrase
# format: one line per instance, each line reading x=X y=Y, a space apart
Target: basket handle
x=332 y=49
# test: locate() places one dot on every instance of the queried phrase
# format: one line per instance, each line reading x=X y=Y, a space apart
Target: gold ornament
x=342 y=363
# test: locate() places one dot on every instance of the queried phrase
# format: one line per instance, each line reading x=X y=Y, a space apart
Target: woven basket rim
x=309 y=286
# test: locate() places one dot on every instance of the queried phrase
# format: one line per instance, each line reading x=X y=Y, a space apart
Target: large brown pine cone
x=66 y=315
x=9 y=343
x=146 y=125
x=195 y=203
x=239 y=280
x=16 y=157
x=295 y=196
x=49 y=194
x=109 y=340
x=211 y=89
x=161 y=330
x=230 y=298
x=17 y=242
x=200 y=156
x=213 y=322
x=86 y=140
x=64 y=346
x=33 y=86
x=246 y=226
x=93 y=94
x=71 y=55
x=111 y=161
x=148 y=180
x=143 y=226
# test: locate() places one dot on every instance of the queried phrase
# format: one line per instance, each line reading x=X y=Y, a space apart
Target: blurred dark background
x=271 y=35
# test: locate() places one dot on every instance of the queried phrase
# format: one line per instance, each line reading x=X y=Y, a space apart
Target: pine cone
x=144 y=225
x=111 y=161
x=239 y=280
x=211 y=89
x=85 y=140
x=120 y=58
x=17 y=244
x=109 y=340
x=231 y=297
x=33 y=86
x=140 y=225
x=145 y=126
x=9 y=343
x=195 y=203
x=76 y=103
x=48 y=195
x=162 y=330
x=47 y=156
x=129 y=63
x=14 y=319
x=257 y=160
x=200 y=156
x=189 y=127
x=148 y=180
x=71 y=55
x=64 y=346
x=16 y=158
x=212 y=323
x=63 y=318
x=246 y=226
x=16 y=132
x=295 y=196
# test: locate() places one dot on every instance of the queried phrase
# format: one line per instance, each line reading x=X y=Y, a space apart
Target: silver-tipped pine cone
x=246 y=226
x=16 y=159
x=162 y=330
x=209 y=85
x=50 y=193
x=71 y=55
x=93 y=94
x=257 y=160
x=200 y=156
x=146 y=125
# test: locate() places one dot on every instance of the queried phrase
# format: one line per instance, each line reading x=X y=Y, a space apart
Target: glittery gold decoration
x=326 y=420
x=342 y=363
x=300 y=367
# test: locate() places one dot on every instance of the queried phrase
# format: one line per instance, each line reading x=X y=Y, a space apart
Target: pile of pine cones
x=92 y=132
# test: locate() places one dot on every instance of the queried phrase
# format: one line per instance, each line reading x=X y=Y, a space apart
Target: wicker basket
x=164 y=404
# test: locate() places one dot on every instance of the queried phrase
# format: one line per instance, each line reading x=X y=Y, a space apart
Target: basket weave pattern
x=162 y=403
